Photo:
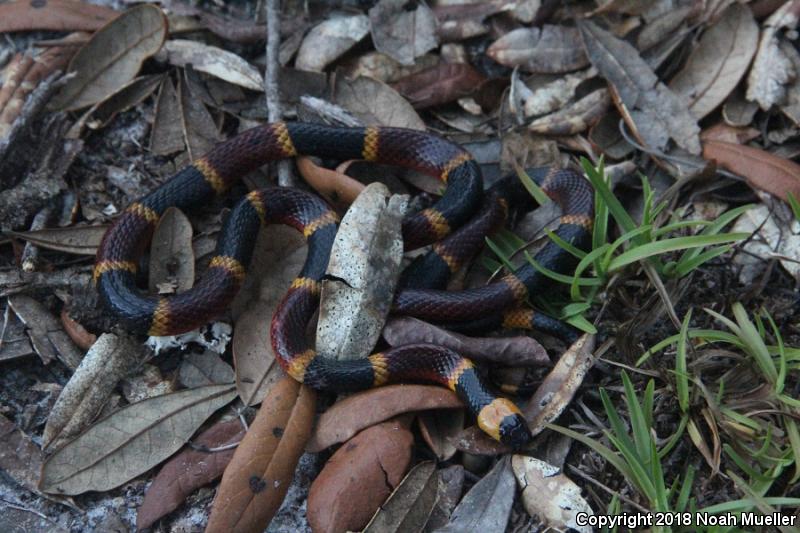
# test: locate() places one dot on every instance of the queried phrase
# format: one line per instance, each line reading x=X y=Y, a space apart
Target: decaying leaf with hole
x=563 y=500
x=719 y=62
x=213 y=61
x=361 y=410
x=763 y=170
x=328 y=40
x=359 y=477
x=551 y=49
x=402 y=34
x=375 y=103
x=363 y=270
x=411 y=503
x=109 y=361
x=575 y=117
x=487 y=506
x=78 y=240
x=772 y=69
x=47 y=335
x=257 y=478
x=112 y=57
x=279 y=255
x=120 y=447
x=189 y=470
x=560 y=385
x=649 y=108
x=171 y=267
x=509 y=351
x=53 y=15
x=440 y=84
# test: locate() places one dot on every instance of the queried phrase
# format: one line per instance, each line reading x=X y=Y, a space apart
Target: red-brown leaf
x=762 y=170
x=359 y=477
x=188 y=471
x=55 y=15
x=438 y=85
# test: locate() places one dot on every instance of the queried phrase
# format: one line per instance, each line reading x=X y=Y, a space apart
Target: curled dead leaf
x=79 y=240
x=338 y=188
x=215 y=61
x=82 y=338
x=361 y=410
x=258 y=476
x=359 y=477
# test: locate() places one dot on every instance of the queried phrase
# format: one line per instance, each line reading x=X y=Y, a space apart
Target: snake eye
x=514 y=431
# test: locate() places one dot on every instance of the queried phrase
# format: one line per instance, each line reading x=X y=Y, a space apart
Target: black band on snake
x=451 y=223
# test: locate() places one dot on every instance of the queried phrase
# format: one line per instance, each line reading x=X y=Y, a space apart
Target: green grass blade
x=573 y=251
x=561 y=278
x=681 y=369
x=612 y=203
x=683 y=267
x=533 y=188
x=670 y=245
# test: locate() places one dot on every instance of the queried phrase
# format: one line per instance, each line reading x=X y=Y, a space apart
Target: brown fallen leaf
x=574 y=118
x=402 y=34
x=279 y=255
x=125 y=98
x=375 y=103
x=171 y=267
x=762 y=170
x=82 y=338
x=215 y=61
x=563 y=503
x=328 y=40
x=20 y=457
x=78 y=240
x=653 y=112
x=508 y=351
x=121 y=446
x=361 y=410
x=475 y=441
x=411 y=503
x=199 y=130
x=205 y=368
x=451 y=485
x=166 y=135
x=439 y=429
x=189 y=470
x=258 y=476
x=363 y=270
x=53 y=15
x=560 y=385
x=440 y=84
x=551 y=49
x=339 y=189
x=112 y=57
x=383 y=68
x=542 y=99
x=719 y=61
x=729 y=134
x=462 y=21
x=47 y=335
x=359 y=477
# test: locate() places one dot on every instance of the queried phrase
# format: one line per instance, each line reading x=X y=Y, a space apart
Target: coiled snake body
x=450 y=223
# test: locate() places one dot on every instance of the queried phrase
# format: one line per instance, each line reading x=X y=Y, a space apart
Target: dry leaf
x=108 y=361
x=166 y=136
x=508 y=351
x=411 y=503
x=82 y=338
x=361 y=410
x=551 y=49
x=772 y=69
x=487 y=506
x=762 y=170
x=440 y=84
x=206 y=368
x=258 y=476
x=78 y=240
x=359 y=477
x=774 y=238
x=473 y=440
x=362 y=273
x=112 y=57
x=328 y=40
x=544 y=98
x=383 y=68
x=213 y=61
x=559 y=509
x=560 y=385
x=376 y=104
x=653 y=111
x=729 y=134
x=451 y=485
x=53 y=15
x=339 y=189
x=439 y=429
x=171 y=267
x=121 y=446
x=401 y=34
x=20 y=458
x=199 y=130
x=574 y=118
x=128 y=96
x=47 y=335
x=461 y=21
x=189 y=470
x=719 y=62
x=279 y=255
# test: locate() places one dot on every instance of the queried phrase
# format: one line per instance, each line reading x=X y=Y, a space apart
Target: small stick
x=271 y=89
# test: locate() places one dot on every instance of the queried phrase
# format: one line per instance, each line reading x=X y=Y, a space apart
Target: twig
x=13 y=282
x=271 y=89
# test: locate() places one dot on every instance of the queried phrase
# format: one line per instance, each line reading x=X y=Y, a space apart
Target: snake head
x=514 y=431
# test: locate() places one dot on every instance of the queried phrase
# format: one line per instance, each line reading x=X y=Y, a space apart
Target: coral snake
x=455 y=225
